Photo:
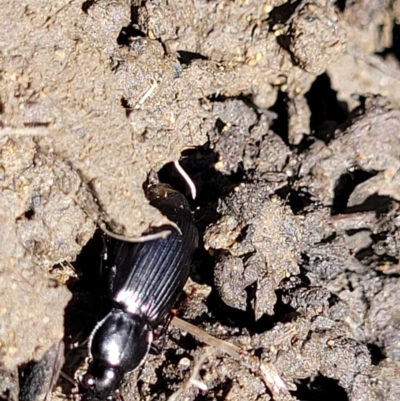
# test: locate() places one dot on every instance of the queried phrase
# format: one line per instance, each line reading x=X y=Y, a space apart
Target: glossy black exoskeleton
x=145 y=281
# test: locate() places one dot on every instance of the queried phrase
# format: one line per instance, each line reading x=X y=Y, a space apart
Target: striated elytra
x=145 y=281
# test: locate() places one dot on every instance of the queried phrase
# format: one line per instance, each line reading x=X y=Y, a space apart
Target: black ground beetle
x=145 y=281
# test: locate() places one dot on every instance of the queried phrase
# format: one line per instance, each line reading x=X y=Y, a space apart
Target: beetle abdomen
x=149 y=276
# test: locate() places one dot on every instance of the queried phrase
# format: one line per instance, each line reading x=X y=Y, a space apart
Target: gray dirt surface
x=286 y=115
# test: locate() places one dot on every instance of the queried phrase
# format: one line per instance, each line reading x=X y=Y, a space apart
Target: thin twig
x=146 y=95
x=230 y=349
x=68 y=378
x=266 y=370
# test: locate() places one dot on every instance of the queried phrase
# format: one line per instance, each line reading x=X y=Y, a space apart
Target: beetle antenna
x=186 y=177
x=144 y=238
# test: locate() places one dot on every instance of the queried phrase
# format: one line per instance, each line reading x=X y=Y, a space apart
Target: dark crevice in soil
x=396 y=40
x=371 y=257
x=284 y=43
x=87 y=306
x=344 y=186
x=235 y=318
x=298 y=200
x=187 y=342
x=125 y=104
x=304 y=272
x=283 y=313
x=394 y=50
x=29 y=214
x=36 y=124
x=246 y=99
x=281 y=124
x=377 y=353
x=132 y=30
x=227 y=315
x=5 y=396
x=379 y=203
x=87 y=4
x=219 y=125
x=306 y=142
x=281 y=14
x=185 y=57
x=333 y=300
x=127 y=33
x=217 y=97
x=203 y=267
x=340 y=5
x=320 y=388
x=329 y=239
x=327 y=112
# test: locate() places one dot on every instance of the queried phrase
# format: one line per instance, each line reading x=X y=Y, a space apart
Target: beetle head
x=118 y=345
x=101 y=380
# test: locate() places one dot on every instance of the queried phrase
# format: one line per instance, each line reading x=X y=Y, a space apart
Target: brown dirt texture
x=286 y=115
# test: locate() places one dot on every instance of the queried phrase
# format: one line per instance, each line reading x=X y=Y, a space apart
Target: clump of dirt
x=354 y=151
x=259 y=244
x=47 y=215
x=285 y=115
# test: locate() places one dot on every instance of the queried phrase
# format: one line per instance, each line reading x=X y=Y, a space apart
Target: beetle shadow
x=87 y=307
